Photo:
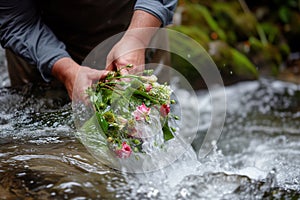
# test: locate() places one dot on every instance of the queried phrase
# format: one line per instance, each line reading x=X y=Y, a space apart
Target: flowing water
x=257 y=156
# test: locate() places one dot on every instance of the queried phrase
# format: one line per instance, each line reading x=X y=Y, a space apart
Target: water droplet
x=184 y=193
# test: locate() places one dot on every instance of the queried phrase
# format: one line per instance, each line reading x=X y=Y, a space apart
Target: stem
x=128 y=76
x=114 y=83
x=262 y=35
x=244 y=6
x=113 y=89
x=260 y=31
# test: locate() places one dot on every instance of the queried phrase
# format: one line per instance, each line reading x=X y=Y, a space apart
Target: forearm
x=23 y=32
x=142 y=27
x=148 y=14
x=131 y=48
x=65 y=68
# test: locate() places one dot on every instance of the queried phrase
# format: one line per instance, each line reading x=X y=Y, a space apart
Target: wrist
x=65 y=69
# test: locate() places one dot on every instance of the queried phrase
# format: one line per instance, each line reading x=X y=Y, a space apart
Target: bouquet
x=133 y=113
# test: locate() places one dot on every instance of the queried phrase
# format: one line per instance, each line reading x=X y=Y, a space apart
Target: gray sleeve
x=162 y=9
x=23 y=32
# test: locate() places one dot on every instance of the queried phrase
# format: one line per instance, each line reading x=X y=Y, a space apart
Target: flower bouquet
x=133 y=118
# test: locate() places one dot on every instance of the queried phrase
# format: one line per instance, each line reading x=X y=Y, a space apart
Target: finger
x=103 y=74
x=137 y=70
x=124 y=71
x=98 y=74
x=111 y=67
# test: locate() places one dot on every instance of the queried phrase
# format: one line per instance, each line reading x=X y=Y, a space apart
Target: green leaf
x=243 y=64
x=284 y=14
x=103 y=123
x=106 y=95
x=210 y=20
x=168 y=135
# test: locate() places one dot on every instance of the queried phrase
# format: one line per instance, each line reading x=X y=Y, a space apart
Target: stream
x=256 y=157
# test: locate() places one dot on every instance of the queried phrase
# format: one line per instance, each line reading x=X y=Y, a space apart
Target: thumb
x=98 y=74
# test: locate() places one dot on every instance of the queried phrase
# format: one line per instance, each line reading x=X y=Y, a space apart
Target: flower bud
x=135 y=149
x=109 y=139
x=124 y=152
x=148 y=87
x=164 y=110
x=136 y=141
x=173 y=129
x=176 y=117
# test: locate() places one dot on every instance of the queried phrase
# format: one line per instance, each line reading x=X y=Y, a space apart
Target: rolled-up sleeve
x=162 y=9
x=23 y=32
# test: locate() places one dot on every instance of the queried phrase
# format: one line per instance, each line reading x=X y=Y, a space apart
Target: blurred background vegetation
x=246 y=39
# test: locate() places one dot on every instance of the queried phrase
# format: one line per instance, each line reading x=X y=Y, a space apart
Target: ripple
x=258 y=155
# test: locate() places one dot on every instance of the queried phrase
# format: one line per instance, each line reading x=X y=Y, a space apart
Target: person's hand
x=76 y=78
x=129 y=50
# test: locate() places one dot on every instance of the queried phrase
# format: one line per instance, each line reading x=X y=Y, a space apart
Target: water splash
x=256 y=157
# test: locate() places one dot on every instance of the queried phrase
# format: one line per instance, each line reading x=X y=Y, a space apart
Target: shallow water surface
x=257 y=156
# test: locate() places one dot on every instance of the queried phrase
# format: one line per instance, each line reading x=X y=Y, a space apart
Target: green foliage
x=168 y=135
x=194 y=32
x=121 y=107
x=233 y=61
x=239 y=59
x=213 y=25
x=255 y=35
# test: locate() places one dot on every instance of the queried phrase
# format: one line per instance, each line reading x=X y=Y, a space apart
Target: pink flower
x=124 y=152
x=148 y=87
x=164 y=110
x=141 y=112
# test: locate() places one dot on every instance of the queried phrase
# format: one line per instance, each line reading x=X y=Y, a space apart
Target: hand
x=76 y=78
x=129 y=50
x=84 y=78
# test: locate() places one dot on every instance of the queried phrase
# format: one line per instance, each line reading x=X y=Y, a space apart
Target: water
x=257 y=156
